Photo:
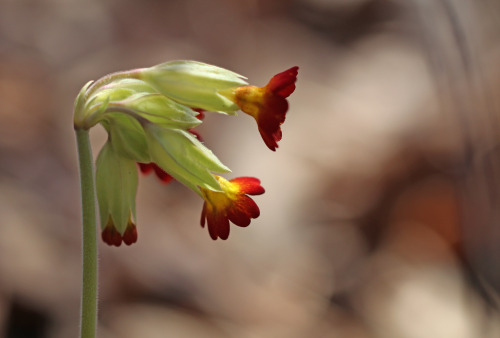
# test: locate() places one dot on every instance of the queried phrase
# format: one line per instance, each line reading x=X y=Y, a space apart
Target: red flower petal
x=146 y=168
x=268 y=105
x=248 y=206
x=233 y=204
x=130 y=235
x=117 y=239
x=270 y=120
x=162 y=174
x=283 y=84
x=239 y=218
x=249 y=185
x=196 y=134
x=111 y=236
x=201 y=113
x=218 y=225
x=203 y=215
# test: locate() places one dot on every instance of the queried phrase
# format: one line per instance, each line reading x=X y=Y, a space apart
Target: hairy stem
x=88 y=313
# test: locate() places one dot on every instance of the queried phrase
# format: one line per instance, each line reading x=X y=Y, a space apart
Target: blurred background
x=381 y=216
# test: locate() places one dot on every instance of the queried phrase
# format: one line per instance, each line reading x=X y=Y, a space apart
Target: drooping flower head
x=149 y=115
x=268 y=104
x=230 y=204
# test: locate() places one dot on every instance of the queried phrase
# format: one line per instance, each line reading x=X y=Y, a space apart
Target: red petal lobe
x=145 y=167
x=283 y=84
x=203 y=215
x=130 y=235
x=249 y=185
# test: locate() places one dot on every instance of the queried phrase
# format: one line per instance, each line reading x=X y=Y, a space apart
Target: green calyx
x=184 y=157
x=161 y=111
x=116 y=182
x=127 y=136
x=162 y=94
x=103 y=100
x=80 y=109
x=194 y=84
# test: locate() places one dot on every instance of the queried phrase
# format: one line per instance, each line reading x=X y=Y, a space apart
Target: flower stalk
x=88 y=311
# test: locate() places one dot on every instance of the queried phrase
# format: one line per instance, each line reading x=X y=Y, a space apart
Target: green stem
x=88 y=319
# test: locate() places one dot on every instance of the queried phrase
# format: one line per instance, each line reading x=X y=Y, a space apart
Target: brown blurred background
x=381 y=216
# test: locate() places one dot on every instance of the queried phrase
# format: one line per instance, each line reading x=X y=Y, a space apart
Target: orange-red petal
x=241 y=219
x=271 y=118
x=162 y=174
x=268 y=105
x=283 y=84
x=249 y=185
x=130 y=235
x=232 y=205
x=201 y=113
x=218 y=225
x=196 y=134
x=146 y=168
x=111 y=236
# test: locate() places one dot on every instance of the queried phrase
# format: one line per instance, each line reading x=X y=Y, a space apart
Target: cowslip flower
x=194 y=84
x=231 y=204
x=226 y=93
x=268 y=104
x=116 y=180
x=111 y=235
x=150 y=115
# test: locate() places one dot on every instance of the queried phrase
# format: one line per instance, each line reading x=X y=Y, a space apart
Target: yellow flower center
x=222 y=200
x=250 y=99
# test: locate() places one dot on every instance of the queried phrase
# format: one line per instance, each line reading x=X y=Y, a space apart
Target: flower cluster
x=149 y=115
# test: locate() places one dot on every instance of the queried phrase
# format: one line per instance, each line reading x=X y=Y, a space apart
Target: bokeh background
x=381 y=216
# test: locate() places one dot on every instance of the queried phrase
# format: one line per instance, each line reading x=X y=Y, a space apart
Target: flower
x=111 y=236
x=215 y=89
x=116 y=183
x=268 y=104
x=194 y=84
x=232 y=204
x=150 y=115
